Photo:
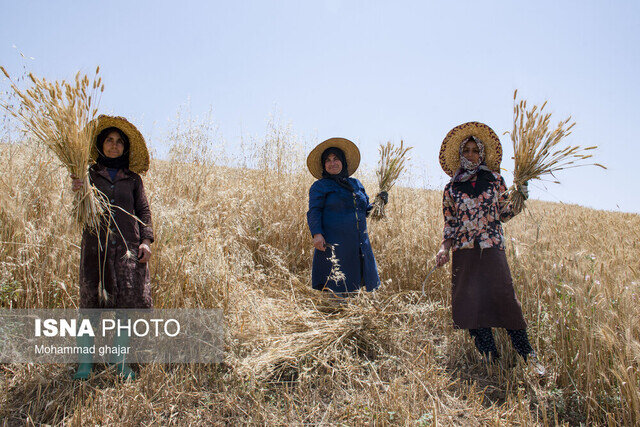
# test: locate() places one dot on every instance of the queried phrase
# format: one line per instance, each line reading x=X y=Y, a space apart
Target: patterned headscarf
x=469 y=169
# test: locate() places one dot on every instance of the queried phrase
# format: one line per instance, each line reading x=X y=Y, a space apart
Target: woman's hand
x=144 y=251
x=319 y=243
x=76 y=183
x=442 y=257
x=524 y=190
x=443 y=254
x=384 y=196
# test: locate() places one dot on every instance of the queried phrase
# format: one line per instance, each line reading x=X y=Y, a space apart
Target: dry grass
x=237 y=239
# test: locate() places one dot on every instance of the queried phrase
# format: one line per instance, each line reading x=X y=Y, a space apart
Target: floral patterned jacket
x=474 y=214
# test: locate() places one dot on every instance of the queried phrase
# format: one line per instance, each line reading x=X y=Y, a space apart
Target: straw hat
x=138 y=153
x=450 y=149
x=351 y=153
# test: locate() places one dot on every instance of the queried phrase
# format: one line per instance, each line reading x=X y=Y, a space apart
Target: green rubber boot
x=122 y=367
x=85 y=357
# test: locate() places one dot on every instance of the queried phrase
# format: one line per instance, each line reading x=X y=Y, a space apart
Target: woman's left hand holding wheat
x=76 y=183
x=384 y=196
x=523 y=189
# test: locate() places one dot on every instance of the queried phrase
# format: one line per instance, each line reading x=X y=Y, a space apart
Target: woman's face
x=113 y=145
x=333 y=165
x=471 y=152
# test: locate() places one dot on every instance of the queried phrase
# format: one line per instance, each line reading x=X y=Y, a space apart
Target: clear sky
x=370 y=71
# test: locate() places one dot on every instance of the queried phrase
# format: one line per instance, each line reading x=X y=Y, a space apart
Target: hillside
x=236 y=239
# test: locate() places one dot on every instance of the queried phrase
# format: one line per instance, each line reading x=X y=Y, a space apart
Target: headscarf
x=469 y=169
x=121 y=162
x=340 y=178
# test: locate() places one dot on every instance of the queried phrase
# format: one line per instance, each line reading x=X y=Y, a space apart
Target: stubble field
x=236 y=238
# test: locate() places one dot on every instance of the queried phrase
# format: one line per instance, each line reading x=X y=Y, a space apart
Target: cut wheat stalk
x=390 y=166
x=60 y=115
x=538 y=150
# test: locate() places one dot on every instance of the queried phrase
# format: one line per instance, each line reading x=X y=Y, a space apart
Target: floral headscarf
x=467 y=168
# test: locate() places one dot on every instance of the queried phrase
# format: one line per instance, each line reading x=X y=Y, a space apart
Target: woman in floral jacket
x=475 y=203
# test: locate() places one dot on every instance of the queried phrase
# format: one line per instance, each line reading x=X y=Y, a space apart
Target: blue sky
x=370 y=71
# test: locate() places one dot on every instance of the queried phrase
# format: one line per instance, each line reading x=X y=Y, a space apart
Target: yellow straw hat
x=351 y=153
x=138 y=153
x=450 y=149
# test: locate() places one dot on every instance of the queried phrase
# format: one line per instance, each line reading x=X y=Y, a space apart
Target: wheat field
x=235 y=238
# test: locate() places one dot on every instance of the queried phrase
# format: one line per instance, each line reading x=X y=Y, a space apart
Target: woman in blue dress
x=343 y=260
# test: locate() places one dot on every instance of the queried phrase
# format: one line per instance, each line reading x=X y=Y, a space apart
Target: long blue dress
x=340 y=216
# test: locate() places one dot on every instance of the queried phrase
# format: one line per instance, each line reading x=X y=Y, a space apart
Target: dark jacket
x=340 y=216
x=105 y=255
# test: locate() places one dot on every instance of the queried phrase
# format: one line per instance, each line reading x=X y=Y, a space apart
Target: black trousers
x=487 y=346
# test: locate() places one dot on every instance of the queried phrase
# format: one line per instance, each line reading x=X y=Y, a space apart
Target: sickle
x=427 y=278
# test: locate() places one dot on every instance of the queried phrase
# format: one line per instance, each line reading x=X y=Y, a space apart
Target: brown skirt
x=482 y=294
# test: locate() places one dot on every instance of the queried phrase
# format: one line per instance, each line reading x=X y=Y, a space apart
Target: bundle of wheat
x=390 y=166
x=537 y=150
x=60 y=116
x=325 y=334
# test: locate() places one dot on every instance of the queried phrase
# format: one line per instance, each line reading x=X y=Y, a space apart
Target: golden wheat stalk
x=537 y=148
x=60 y=115
x=390 y=166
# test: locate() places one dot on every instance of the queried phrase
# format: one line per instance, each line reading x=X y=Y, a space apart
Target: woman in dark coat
x=343 y=260
x=113 y=263
x=475 y=203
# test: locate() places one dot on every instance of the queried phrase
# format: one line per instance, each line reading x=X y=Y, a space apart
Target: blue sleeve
x=369 y=205
x=366 y=197
x=316 y=205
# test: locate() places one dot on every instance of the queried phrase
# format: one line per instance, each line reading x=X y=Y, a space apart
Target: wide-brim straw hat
x=351 y=153
x=138 y=153
x=450 y=149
